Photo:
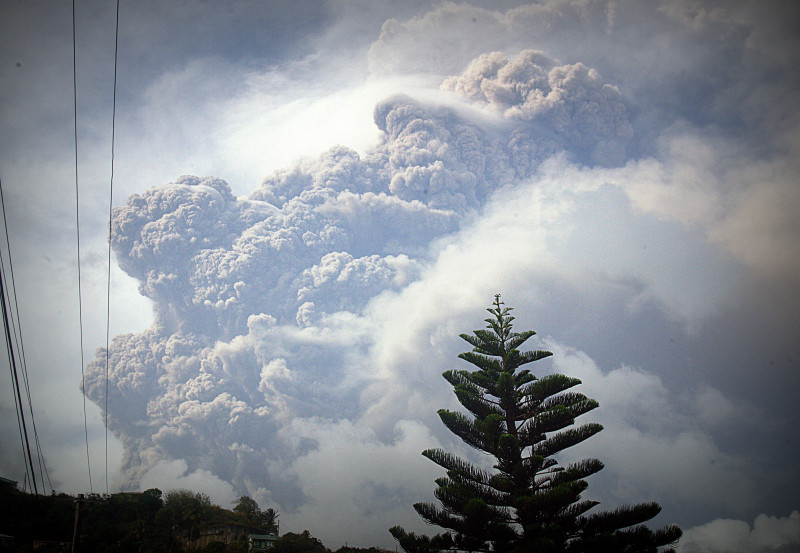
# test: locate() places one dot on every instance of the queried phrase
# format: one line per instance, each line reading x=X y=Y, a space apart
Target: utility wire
x=17 y=408
x=19 y=413
x=14 y=374
x=110 y=204
x=43 y=473
x=17 y=331
x=78 y=232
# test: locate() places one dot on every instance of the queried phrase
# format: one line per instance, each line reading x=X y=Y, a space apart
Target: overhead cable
x=17 y=331
x=78 y=241
x=110 y=206
x=12 y=362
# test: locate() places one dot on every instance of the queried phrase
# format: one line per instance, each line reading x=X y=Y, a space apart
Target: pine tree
x=529 y=503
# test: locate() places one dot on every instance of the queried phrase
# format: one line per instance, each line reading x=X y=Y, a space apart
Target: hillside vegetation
x=148 y=522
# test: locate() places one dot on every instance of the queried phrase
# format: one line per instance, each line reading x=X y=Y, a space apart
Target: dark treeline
x=147 y=522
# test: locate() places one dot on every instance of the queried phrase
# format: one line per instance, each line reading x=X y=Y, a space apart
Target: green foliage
x=266 y=521
x=122 y=522
x=21 y=513
x=299 y=543
x=247 y=506
x=530 y=503
x=348 y=549
x=186 y=512
x=133 y=516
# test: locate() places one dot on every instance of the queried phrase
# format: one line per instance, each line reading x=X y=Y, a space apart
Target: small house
x=261 y=542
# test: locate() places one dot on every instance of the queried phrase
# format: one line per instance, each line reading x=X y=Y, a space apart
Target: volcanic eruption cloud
x=264 y=335
x=300 y=332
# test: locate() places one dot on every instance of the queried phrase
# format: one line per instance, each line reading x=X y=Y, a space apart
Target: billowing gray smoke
x=259 y=300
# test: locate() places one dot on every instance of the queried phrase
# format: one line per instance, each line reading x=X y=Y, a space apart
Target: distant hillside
x=178 y=521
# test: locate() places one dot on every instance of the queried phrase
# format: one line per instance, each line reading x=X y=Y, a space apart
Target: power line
x=110 y=206
x=17 y=330
x=17 y=410
x=7 y=324
x=78 y=232
x=12 y=362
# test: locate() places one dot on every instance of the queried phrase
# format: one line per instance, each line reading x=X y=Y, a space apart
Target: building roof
x=7 y=482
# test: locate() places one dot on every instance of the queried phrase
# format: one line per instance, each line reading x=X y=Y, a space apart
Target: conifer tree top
x=530 y=502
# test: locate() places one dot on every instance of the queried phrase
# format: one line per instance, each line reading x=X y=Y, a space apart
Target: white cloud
x=655 y=445
x=767 y=534
x=173 y=475
x=367 y=485
x=742 y=202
